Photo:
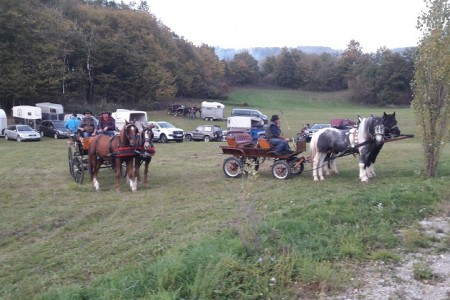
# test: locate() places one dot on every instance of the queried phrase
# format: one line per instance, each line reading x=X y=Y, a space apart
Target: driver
x=87 y=125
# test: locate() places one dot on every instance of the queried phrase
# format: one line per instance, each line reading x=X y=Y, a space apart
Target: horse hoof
x=315 y=179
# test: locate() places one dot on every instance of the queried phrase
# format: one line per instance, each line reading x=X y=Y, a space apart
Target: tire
x=281 y=170
x=188 y=137
x=232 y=167
x=55 y=136
x=206 y=138
x=78 y=170
x=41 y=134
x=163 y=138
x=19 y=139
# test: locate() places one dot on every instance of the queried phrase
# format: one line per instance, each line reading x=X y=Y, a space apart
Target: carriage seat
x=240 y=140
x=264 y=143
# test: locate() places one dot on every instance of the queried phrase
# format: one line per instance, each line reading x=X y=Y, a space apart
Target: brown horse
x=114 y=150
x=144 y=153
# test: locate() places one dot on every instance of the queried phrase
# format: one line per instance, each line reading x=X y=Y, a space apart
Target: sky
x=242 y=24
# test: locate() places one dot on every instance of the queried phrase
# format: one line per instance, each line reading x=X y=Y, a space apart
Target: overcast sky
x=292 y=23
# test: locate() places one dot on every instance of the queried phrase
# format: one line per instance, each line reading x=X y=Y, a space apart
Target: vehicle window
x=208 y=128
x=58 y=125
x=24 y=128
x=166 y=125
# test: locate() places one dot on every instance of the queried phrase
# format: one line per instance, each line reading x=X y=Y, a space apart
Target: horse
x=144 y=153
x=367 y=140
x=115 y=150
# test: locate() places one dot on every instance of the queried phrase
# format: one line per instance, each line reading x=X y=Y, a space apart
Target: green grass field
x=195 y=234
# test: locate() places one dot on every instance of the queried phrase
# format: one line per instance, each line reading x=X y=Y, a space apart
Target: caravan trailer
x=121 y=115
x=3 y=121
x=28 y=115
x=212 y=111
x=51 y=111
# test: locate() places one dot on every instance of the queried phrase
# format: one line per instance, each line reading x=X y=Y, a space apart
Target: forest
x=99 y=53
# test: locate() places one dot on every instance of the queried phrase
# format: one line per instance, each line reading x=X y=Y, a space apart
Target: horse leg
x=137 y=165
x=147 y=163
x=132 y=182
x=317 y=166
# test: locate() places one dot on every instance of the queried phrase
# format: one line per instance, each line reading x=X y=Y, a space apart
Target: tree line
x=85 y=53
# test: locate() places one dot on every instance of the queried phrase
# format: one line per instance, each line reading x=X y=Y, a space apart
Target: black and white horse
x=367 y=140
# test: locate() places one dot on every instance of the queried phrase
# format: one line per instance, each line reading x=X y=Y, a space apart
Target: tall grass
x=194 y=234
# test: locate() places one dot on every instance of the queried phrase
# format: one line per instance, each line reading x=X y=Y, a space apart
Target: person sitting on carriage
x=106 y=124
x=87 y=125
x=72 y=124
x=276 y=139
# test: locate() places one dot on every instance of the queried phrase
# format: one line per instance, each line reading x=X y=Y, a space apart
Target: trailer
x=3 y=121
x=252 y=125
x=125 y=115
x=51 y=111
x=211 y=111
x=28 y=115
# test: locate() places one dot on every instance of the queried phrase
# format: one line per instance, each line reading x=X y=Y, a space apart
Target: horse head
x=390 y=124
x=147 y=137
x=129 y=135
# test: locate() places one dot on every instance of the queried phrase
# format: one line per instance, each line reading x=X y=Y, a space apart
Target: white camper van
x=3 y=121
x=29 y=115
x=122 y=115
x=212 y=111
x=51 y=111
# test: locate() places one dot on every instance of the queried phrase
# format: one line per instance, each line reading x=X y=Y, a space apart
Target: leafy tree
x=431 y=101
x=244 y=69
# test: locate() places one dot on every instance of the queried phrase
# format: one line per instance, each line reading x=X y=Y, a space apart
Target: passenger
x=72 y=124
x=276 y=139
x=87 y=125
x=106 y=124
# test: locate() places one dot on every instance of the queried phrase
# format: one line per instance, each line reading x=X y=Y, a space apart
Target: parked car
x=55 y=129
x=21 y=133
x=311 y=130
x=205 y=133
x=244 y=112
x=165 y=132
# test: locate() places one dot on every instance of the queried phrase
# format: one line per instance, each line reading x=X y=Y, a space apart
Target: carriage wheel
x=70 y=158
x=78 y=170
x=296 y=169
x=281 y=170
x=232 y=167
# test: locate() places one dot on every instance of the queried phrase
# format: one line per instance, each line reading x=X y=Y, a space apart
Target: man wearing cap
x=87 y=125
x=276 y=139
x=73 y=123
x=106 y=124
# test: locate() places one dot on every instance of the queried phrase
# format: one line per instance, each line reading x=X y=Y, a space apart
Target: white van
x=244 y=112
x=121 y=115
x=28 y=115
x=3 y=121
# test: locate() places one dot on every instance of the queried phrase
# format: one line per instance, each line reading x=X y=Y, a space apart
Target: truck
x=28 y=115
x=51 y=111
x=121 y=115
x=211 y=111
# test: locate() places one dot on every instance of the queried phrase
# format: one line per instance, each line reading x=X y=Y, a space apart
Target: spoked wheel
x=70 y=158
x=281 y=169
x=78 y=170
x=296 y=167
x=232 y=167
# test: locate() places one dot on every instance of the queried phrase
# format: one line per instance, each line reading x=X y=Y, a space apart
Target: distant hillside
x=259 y=53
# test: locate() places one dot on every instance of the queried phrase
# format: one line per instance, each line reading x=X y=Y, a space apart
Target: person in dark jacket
x=87 y=125
x=106 y=124
x=276 y=139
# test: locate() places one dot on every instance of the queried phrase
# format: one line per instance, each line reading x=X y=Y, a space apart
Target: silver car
x=21 y=133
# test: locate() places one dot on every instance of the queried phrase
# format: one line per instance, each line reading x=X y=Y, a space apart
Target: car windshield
x=165 y=125
x=24 y=128
x=319 y=126
x=58 y=125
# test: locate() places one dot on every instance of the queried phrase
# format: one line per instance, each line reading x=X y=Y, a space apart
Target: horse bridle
x=127 y=127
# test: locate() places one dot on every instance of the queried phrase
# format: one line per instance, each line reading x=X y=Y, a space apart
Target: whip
x=289 y=129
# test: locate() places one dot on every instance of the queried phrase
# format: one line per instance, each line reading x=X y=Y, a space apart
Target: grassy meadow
x=195 y=234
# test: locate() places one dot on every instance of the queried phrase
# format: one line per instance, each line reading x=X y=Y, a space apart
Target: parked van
x=244 y=112
x=121 y=115
x=3 y=121
x=28 y=115
x=51 y=111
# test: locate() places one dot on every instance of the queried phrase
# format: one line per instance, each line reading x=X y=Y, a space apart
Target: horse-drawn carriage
x=176 y=109
x=119 y=153
x=77 y=155
x=247 y=156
